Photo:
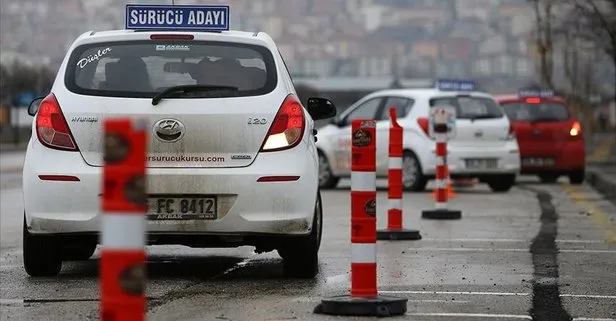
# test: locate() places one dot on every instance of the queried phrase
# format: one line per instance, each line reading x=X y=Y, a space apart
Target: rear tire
x=577 y=177
x=41 y=253
x=548 y=178
x=327 y=180
x=81 y=252
x=501 y=183
x=412 y=175
x=300 y=255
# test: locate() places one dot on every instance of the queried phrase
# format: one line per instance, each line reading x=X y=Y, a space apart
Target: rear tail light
x=533 y=100
x=576 y=130
x=287 y=128
x=424 y=124
x=51 y=126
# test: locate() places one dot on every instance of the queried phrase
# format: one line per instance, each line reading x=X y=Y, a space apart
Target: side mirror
x=34 y=106
x=320 y=108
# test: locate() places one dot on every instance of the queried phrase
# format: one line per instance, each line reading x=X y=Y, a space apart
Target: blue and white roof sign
x=177 y=17
x=455 y=85
x=535 y=92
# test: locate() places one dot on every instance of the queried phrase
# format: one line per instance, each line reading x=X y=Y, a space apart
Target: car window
x=367 y=110
x=471 y=107
x=143 y=68
x=545 y=111
x=402 y=105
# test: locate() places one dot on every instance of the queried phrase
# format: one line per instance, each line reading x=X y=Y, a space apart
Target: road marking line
x=472 y=315
x=602 y=152
x=438 y=301
x=590 y=296
x=469 y=249
x=337 y=278
x=570 y=295
x=11 y=301
x=459 y=293
x=512 y=240
x=597 y=214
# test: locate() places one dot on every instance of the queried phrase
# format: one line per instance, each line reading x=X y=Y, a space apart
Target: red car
x=550 y=138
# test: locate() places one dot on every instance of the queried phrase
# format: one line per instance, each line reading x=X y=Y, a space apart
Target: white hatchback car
x=484 y=147
x=228 y=132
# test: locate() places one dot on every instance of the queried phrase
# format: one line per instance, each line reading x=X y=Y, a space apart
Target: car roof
x=122 y=34
x=426 y=93
x=513 y=97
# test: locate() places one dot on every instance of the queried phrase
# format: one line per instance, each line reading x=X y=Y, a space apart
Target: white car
x=228 y=133
x=484 y=147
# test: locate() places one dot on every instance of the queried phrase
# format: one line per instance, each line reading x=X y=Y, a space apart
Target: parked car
x=551 y=139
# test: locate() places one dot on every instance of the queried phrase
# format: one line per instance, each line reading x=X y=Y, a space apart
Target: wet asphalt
x=538 y=252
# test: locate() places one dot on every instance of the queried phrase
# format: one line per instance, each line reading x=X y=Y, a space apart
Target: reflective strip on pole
x=123 y=231
x=363 y=209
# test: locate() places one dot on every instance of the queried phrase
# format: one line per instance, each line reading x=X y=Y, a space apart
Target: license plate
x=537 y=161
x=488 y=163
x=182 y=208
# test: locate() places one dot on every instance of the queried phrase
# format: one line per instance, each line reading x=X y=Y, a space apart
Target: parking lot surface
x=539 y=252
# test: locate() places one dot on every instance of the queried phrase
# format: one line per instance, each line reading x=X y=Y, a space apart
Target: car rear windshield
x=468 y=107
x=542 y=112
x=144 y=68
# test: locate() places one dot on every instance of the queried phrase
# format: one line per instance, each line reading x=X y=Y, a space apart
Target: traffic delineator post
x=395 y=230
x=449 y=190
x=364 y=299
x=441 y=210
x=123 y=228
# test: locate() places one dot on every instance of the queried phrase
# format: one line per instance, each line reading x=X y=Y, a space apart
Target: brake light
x=51 y=126
x=576 y=129
x=287 y=128
x=424 y=123
x=533 y=100
x=171 y=37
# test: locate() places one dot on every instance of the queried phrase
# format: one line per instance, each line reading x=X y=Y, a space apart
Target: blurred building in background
x=491 y=41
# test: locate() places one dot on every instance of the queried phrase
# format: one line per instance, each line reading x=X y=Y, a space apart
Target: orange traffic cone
x=450 y=192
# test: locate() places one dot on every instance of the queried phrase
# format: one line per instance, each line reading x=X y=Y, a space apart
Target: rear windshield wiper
x=544 y=119
x=188 y=88
x=473 y=118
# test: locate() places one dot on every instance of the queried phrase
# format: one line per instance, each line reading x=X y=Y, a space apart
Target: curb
x=11 y=170
x=604 y=184
x=12 y=148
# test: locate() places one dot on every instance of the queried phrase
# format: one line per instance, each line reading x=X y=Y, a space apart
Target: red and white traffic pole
x=441 y=211
x=123 y=257
x=395 y=230
x=364 y=299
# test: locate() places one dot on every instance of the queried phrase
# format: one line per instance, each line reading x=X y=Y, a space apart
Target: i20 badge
x=169 y=130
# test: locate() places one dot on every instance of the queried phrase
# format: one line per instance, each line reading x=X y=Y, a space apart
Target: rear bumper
x=507 y=155
x=244 y=207
x=568 y=156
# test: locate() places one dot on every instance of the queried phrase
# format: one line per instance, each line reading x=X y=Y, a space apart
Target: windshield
x=470 y=107
x=144 y=68
x=545 y=112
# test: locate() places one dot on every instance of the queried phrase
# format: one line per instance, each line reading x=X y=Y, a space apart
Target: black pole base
x=441 y=214
x=346 y=305
x=399 y=234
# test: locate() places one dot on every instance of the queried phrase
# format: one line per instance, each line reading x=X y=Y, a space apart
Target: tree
x=598 y=24
x=19 y=77
x=543 y=38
